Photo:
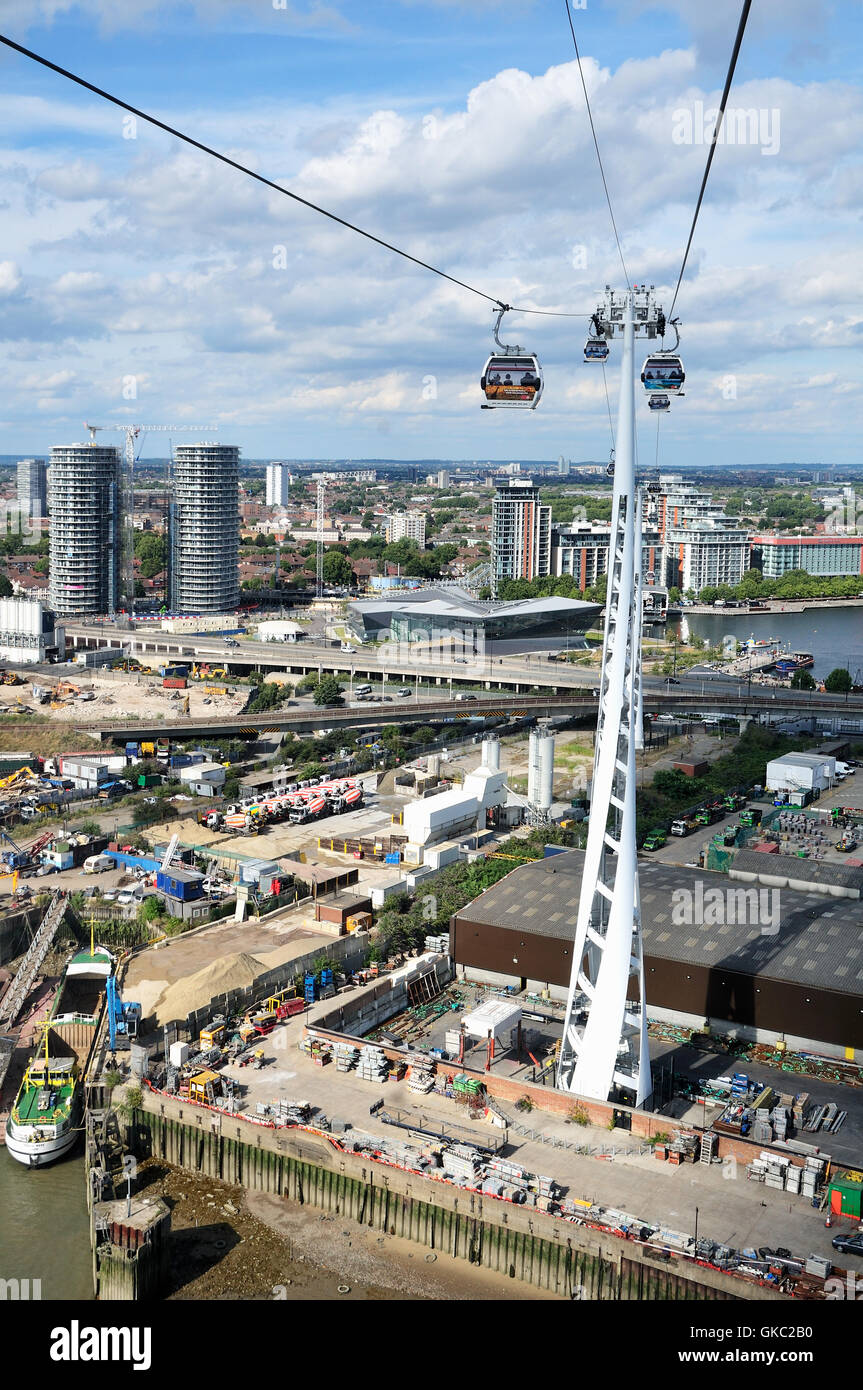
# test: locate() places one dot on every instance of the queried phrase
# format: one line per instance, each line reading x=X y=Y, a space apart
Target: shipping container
x=175 y=682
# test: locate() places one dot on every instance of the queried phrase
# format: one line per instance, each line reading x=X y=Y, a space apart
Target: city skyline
x=137 y=265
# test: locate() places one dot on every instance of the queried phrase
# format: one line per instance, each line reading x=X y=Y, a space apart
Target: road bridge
x=566 y=704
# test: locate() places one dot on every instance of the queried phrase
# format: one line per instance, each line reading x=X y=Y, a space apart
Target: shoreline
x=774 y=606
x=231 y=1243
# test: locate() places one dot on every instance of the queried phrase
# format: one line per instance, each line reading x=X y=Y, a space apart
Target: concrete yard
x=734 y=1211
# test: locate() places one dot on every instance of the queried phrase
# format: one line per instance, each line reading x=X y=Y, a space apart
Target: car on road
x=671 y=680
x=231 y=642
x=849 y=1244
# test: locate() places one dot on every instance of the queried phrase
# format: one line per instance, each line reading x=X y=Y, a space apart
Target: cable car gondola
x=596 y=350
x=511 y=379
x=663 y=373
x=658 y=400
x=609 y=467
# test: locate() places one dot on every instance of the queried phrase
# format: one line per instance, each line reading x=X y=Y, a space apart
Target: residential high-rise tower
x=83 y=499
x=204 y=521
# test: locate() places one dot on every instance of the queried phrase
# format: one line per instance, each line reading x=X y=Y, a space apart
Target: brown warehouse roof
x=819 y=939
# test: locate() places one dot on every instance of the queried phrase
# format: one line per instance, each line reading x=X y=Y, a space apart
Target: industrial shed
x=801 y=979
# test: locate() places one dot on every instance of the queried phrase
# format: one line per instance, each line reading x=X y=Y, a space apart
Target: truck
x=709 y=815
x=683 y=826
x=655 y=840
x=751 y=816
x=733 y=801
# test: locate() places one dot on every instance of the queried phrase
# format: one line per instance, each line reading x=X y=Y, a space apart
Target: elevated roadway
x=561 y=703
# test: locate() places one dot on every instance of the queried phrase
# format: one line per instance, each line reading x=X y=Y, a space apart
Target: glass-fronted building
x=452 y=620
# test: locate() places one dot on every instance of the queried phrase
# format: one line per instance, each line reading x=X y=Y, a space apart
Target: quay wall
x=527 y=1246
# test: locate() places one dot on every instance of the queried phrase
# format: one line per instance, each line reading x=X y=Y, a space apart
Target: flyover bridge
x=568 y=704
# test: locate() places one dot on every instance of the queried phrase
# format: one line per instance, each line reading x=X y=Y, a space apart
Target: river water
x=44 y=1226
x=833 y=635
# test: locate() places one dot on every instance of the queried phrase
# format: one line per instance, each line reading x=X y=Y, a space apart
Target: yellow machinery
x=198 y=1086
x=148 y=750
x=212 y=1037
x=22 y=775
x=216 y=689
x=218 y=673
x=185 y=706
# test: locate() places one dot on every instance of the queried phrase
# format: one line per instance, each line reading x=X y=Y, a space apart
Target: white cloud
x=10 y=277
x=145 y=258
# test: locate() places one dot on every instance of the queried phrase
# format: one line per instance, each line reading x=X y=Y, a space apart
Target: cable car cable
x=268 y=183
x=595 y=141
x=747 y=6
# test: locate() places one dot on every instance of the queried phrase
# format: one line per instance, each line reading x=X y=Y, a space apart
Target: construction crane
x=127 y=496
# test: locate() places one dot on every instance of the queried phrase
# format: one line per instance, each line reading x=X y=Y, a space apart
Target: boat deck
x=29 y=1111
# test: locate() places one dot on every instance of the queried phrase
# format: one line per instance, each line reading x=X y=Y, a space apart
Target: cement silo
x=491 y=753
x=540 y=771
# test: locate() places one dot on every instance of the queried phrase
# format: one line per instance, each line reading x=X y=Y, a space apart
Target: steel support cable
x=595 y=141
x=747 y=6
x=269 y=183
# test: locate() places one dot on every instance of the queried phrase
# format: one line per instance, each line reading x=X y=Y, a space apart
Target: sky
x=142 y=281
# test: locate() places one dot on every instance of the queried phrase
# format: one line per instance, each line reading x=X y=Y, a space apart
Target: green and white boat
x=47 y=1114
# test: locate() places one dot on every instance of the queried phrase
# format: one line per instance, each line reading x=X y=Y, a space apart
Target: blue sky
x=141 y=281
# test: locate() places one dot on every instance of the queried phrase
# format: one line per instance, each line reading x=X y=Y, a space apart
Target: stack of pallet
x=463 y=1164
x=683 y=1148
x=346 y=1055
x=775 y=1174
x=792 y=1178
x=762 y=1130
x=422 y=1074
x=372 y=1064
x=811 y=1176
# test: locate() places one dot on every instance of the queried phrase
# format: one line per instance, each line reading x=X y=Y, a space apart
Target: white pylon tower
x=319 y=586
x=604 y=1051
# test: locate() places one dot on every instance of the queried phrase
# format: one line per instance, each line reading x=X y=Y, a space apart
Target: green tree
x=801 y=680
x=328 y=692
x=337 y=569
x=5 y=586
x=838 y=682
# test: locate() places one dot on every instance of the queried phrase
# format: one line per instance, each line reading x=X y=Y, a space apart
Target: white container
x=178 y=1054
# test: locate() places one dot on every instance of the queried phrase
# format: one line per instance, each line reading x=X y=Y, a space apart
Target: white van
x=362 y=690
x=97 y=864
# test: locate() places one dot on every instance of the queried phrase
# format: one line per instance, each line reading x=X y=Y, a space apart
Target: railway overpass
x=562 y=703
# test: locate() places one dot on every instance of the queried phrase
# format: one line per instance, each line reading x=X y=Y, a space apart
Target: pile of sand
x=195 y=991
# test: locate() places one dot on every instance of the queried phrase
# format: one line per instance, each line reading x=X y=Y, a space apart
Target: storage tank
x=540 y=770
x=491 y=753
x=546 y=770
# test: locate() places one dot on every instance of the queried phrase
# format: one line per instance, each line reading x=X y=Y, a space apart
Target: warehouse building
x=759 y=963
x=806 y=772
